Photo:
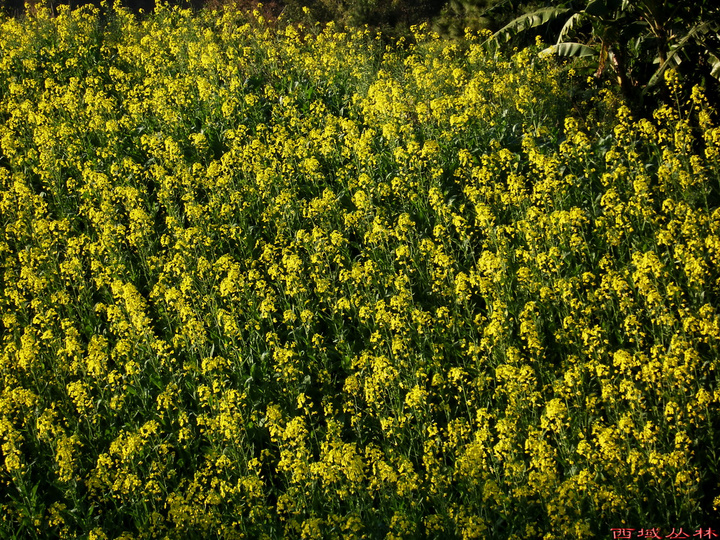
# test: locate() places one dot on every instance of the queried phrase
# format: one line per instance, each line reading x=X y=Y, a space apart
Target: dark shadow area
x=16 y=8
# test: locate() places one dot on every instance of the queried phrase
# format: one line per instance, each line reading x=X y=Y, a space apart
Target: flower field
x=295 y=283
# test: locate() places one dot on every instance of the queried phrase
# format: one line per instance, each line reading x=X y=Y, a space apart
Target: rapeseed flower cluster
x=265 y=281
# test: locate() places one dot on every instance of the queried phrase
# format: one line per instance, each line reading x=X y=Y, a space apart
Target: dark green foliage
x=393 y=17
x=458 y=15
x=635 y=41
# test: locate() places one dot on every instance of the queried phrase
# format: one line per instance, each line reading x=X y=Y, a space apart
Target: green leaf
x=597 y=8
x=700 y=28
x=570 y=48
x=569 y=26
x=527 y=21
x=715 y=63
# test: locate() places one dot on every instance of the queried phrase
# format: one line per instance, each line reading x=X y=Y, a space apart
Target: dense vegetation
x=281 y=281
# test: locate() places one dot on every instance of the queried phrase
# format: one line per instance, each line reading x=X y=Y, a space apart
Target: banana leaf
x=715 y=63
x=671 y=59
x=570 y=25
x=529 y=20
x=570 y=48
x=602 y=8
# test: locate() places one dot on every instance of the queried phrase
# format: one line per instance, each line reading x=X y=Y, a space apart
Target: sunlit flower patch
x=263 y=281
